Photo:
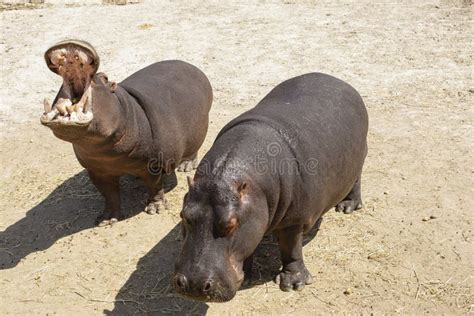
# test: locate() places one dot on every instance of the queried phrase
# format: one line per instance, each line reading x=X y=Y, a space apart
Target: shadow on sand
x=149 y=288
x=70 y=208
x=74 y=206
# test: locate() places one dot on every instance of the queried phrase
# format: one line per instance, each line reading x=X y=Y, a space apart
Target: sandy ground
x=412 y=63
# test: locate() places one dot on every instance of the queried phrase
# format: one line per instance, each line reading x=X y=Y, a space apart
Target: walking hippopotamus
x=146 y=126
x=275 y=169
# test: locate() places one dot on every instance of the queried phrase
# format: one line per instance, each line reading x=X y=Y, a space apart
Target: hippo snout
x=208 y=289
x=197 y=289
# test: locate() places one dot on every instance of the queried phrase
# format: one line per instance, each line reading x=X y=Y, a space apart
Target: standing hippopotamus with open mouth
x=274 y=169
x=147 y=126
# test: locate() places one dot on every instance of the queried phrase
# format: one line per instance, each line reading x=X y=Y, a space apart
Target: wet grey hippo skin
x=147 y=126
x=274 y=169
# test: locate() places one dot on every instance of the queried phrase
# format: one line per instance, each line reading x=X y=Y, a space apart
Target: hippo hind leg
x=294 y=275
x=352 y=202
x=189 y=164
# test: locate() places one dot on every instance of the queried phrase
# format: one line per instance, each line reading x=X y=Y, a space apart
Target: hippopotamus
x=146 y=126
x=276 y=169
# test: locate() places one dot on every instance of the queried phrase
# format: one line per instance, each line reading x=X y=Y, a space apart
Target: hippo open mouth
x=76 y=62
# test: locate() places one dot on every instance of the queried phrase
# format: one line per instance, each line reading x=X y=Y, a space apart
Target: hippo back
x=176 y=98
x=321 y=122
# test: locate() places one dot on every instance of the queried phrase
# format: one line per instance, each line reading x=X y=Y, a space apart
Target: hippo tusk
x=87 y=100
x=47 y=105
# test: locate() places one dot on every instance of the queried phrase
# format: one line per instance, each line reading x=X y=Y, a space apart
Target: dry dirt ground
x=409 y=251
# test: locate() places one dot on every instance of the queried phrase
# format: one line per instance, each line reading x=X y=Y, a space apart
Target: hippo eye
x=227 y=228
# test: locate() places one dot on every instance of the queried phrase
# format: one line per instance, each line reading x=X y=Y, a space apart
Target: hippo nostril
x=207 y=287
x=181 y=282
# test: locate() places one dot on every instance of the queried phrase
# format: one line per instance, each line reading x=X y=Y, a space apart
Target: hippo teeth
x=61 y=108
x=67 y=112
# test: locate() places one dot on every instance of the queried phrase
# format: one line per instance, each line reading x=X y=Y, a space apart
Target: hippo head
x=220 y=231
x=72 y=111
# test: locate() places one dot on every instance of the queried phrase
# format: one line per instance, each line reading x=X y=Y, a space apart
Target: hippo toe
x=348 y=206
x=188 y=165
x=154 y=207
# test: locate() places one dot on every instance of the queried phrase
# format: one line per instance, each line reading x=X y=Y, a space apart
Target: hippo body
x=276 y=169
x=147 y=126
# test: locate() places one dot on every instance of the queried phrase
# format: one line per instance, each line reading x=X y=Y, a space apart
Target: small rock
x=427 y=218
x=348 y=291
x=385 y=192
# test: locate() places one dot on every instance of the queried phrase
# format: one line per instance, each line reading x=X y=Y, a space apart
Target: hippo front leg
x=109 y=187
x=294 y=274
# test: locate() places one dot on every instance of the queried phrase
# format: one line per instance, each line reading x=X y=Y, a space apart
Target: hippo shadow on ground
x=70 y=208
x=149 y=289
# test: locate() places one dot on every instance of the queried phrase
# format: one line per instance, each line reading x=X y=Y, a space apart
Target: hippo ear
x=242 y=188
x=190 y=182
x=113 y=86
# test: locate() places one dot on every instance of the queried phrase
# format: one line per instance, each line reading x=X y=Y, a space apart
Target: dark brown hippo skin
x=275 y=169
x=146 y=126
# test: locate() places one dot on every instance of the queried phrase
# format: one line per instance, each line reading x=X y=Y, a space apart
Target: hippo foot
x=293 y=280
x=154 y=207
x=348 y=206
x=107 y=219
x=188 y=165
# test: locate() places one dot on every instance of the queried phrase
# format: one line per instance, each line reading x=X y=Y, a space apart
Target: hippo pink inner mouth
x=73 y=105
